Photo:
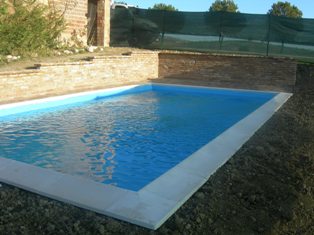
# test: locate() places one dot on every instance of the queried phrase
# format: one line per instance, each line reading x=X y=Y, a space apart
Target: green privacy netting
x=215 y=32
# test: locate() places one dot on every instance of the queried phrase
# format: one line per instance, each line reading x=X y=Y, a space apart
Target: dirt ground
x=30 y=61
x=267 y=187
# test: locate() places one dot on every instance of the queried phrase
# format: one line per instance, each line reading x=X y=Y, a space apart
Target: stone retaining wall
x=248 y=72
x=99 y=72
x=139 y=67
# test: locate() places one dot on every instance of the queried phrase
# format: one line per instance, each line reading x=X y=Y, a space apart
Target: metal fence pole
x=221 y=33
x=162 y=30
x=268 y=34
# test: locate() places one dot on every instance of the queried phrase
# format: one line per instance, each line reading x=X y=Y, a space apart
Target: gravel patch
x=267 y=187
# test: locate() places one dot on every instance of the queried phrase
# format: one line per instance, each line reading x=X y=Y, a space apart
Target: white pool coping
x=151 y=206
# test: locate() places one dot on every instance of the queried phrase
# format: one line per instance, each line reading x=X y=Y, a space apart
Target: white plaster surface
x=156 y=202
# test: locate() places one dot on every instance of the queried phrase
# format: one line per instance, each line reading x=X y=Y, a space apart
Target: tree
x=223 y=20
x=285 y=29
x=285 y=9
x=162 y=6
x=224 y=5
x=168 y=19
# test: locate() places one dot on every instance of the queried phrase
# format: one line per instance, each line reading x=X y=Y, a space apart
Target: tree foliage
x=224 y=5
x=169 y=21
x=3 y=8
x=286 y=28
x=32 y=28
x=222 y=19
x=162 y=6
x=285 y=9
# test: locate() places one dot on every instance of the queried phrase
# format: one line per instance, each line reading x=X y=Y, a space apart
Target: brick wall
x=230 y=71
x=138 y=67
x=107 y=24
x=64 y=78
x=75 y=16
x=76 y=19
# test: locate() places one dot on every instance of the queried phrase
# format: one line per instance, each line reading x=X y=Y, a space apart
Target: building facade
x=88 y=21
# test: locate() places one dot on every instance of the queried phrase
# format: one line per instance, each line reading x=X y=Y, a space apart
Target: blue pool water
x=127 y=140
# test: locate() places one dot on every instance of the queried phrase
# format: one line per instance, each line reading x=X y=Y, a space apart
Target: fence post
x=268 y=34
x=221 y=33
x=162 y=30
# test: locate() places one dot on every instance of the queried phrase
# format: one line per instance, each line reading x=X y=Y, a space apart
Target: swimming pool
x=130 y=143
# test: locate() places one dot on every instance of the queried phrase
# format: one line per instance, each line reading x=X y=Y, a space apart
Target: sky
x=245 y=6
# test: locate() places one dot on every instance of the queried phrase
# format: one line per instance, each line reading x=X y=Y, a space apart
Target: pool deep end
x=150 y=206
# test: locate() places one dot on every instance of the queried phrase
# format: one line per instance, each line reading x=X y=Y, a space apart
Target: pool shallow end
x=156 y=202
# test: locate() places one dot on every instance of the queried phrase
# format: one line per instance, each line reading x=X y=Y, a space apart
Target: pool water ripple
x=126 y=141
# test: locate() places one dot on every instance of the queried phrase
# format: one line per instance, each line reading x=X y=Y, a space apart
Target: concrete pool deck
x=156 y=202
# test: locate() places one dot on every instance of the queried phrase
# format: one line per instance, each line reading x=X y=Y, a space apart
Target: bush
x=31 y=28
x=3 y=8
